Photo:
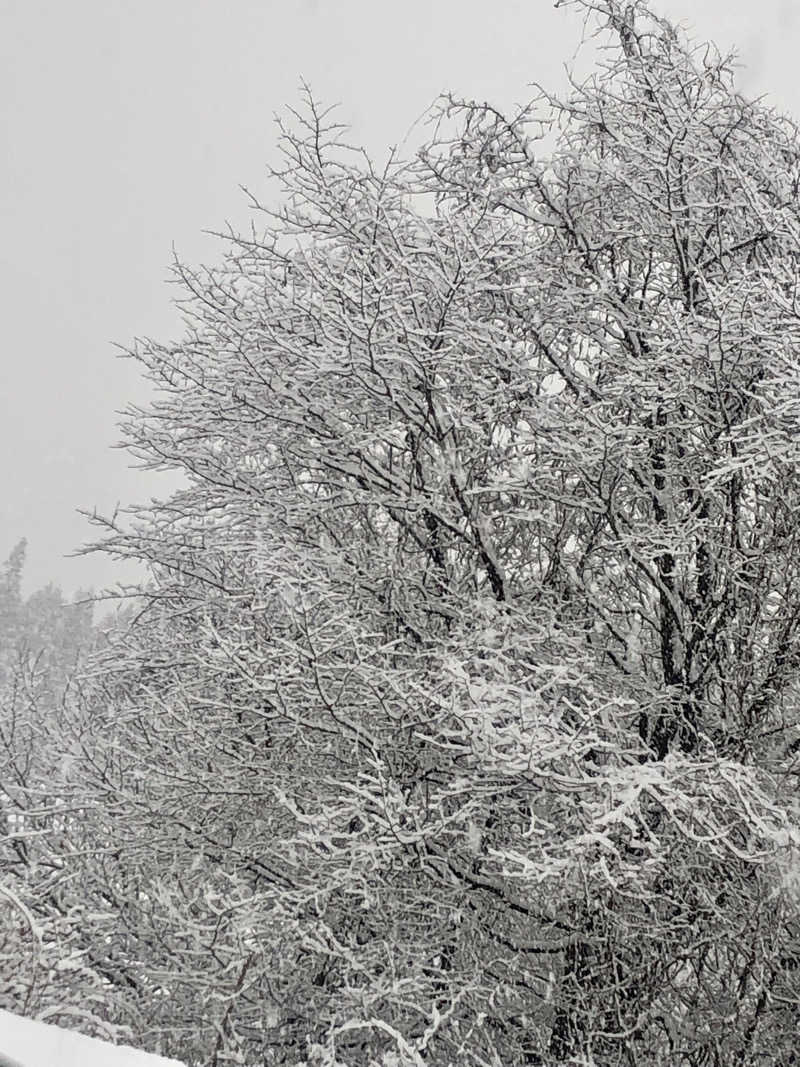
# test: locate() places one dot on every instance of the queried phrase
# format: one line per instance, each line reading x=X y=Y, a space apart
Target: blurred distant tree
x=459 y=723
x=44 y=621
x=11 y=595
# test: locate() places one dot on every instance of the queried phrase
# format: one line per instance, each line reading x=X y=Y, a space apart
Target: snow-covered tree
x=460 y=721
x=44 y=963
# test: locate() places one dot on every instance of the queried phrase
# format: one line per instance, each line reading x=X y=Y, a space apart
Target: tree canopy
x=42 y=919
x=459 y=720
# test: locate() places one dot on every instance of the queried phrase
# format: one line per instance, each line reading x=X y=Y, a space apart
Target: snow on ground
x=28 y=1043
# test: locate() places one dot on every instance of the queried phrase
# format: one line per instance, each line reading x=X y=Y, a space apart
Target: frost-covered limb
x=461 y=704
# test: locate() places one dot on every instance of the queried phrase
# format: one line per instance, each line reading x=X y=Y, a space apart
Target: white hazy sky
x=127 y=127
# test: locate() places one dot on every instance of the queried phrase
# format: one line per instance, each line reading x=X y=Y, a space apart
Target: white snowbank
x=28 y=1043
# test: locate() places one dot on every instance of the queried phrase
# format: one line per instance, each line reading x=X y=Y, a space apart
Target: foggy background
x=127 y=129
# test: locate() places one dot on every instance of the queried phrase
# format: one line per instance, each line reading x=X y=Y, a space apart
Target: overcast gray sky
x=128 y=127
